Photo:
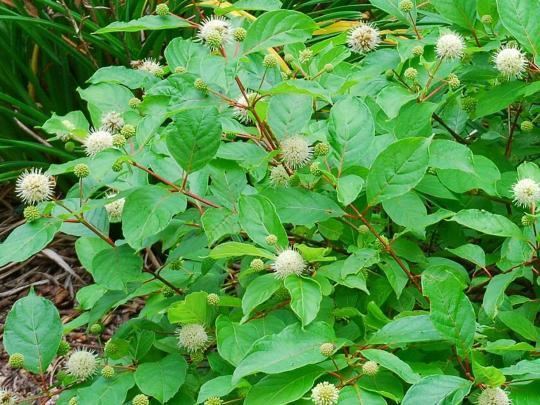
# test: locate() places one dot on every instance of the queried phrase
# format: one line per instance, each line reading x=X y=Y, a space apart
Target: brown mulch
x=56 y=274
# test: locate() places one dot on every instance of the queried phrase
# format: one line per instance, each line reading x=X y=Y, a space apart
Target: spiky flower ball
x=213 y=299
x=325 y=394
x=527 y=220
x=213 y=401
x=270 y=61
x=33 y=186
x=493 y=396
x=96 y=329
x=167 y=291
x=370 y=368
x=406 y=5
x=16 y=360
x=257 y=265
x=526 y=126
x=63 y=348
x=134 y=102
x=213 y=26
x=242 y=105
x=510 y=62
x=469 y=104
x=127 y=131
x=314 y=169
x=97 y=141
x=364 y=38
x=112 y=122
x=8 y=398
x=279 y=177
x=305 y=55
x=526 y=192
x=115 y=208
x=418 y=50
x=288 y=262
x=239 y=34
x=140 y=399
x=200 y=84
x=81 y=170
x=271 y=239
x=81 y=364
x=327 y=349
x=296 y=151
x=450 y=46
x=31 y=213
x=118 y=140
x=151 y=66
x=410 y=73
x=192 y=337
x=486 y=19
x=107 y=371
x=321 y=149
x=162 y=9
x=453 y=81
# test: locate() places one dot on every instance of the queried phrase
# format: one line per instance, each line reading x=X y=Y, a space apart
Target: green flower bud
x=177 y=264
x=69 y=146
x=269 y=61
x=196 y=357
x=214 y=40
x=81 y=170
x=96 y=329
x=527 y=126
x=288 y=58
x=180 y=69
x=410 y=73
x=389 y=74
x=314 y=169
x=327 y=349
x=213 y=299
x=140 y=399
x=321 y=149
x=239 y=34
x=31 y=213
x=271 y=239
x=213 y=401
x=63 y=348
x=469 y=104
x=282 y=294
x=128 y=131
x=117 y=165
x=134 y=102
x=418 y=50
x=527 y=220
x=119 y=140
x=363 y=229
x=257 y=265
x=167 y=291
x=162 y=9
x=107 y=372
x=328 y=68
x=73 y=401
x=453 y=81
x=370 y=368
x=16 y=360
x=200 y=85
x=110 y=348
x=486 y=19
x=406 y=6
x=305 y=55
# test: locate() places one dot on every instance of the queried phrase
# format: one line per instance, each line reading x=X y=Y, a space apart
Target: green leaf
x=353 y=394
x=106 y=391
x=519 y=324
x=277 y=28
x=392 y=363
x=219 y=222
x=303 y=207
x=193 y=138
x=147 y=211
x=265 y=5
x=290 y=349
x=473 y=253
x=351 y=132
x=131 y=78
x=494 y=295
x=519 y=17
x=444 y=154
x=398 y=169
x=408 y=329
x=438 y=389
x=259 y=219
x=306 y=297
x=33 y=328
x=27 y=240
x=392 y=98
x=116 y=266
x=348 y=188
x=497 y=98
x=289 y=114
x=162 y=379
x=236 y=249
x=486 y=222
x=259 y=291
x=193 y=309
x=283 y=388
x=396 y=276
x=414 y=119
x=460 y=12
x=146 y=23
x=217 y=387
x=392 y=8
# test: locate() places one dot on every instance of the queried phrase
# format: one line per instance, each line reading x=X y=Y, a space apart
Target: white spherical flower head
x=493 y=396
x=240 y=110
x=8 y=398
x=114 y=209
x=288 y=262
x=363 y=38
x=325 y=394
x=450 y=46
x=510 y=62
x=215 y=25
x=112 y=122
x=526 y=192
x=96 y=141
x=151 y=66
x=192 y=337
x=82 y=364
x=33 y=186
x=296 y=151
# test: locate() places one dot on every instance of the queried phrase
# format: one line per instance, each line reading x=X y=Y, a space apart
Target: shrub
x=350 y=219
